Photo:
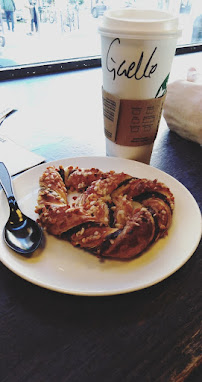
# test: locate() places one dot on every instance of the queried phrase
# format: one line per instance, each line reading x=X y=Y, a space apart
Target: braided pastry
x=112 y=215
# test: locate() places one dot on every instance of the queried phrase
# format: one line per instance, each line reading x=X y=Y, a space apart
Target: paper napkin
x=17 y=158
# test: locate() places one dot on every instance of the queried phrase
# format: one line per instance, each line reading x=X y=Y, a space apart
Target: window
x=52 y=35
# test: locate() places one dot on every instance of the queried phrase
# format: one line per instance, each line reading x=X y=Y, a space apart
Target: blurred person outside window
x=197 y=30
x=32 y=6
x=196 y=21
x=9 y=8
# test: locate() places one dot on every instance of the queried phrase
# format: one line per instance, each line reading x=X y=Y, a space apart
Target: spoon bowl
x=21 y=233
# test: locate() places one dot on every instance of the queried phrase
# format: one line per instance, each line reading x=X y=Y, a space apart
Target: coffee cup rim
x=133 y=23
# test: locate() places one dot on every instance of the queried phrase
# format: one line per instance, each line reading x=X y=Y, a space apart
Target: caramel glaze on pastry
x=113 y=215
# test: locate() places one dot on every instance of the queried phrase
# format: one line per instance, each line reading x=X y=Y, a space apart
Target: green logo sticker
x=162 y=90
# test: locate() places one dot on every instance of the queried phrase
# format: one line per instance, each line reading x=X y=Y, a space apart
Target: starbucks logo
x=162 y=90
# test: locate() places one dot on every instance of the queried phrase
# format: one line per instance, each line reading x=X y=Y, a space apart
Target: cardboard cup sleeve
x=131 y=122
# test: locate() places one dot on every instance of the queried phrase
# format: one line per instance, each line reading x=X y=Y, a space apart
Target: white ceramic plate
x=63 y=268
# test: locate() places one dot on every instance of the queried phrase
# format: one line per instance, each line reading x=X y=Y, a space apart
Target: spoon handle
x=5 y=181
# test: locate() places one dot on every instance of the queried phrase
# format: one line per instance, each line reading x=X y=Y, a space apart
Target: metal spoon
x=5 y=113
x=21 y=233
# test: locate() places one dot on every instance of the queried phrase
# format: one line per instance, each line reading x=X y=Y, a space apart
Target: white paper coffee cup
x=137 y=49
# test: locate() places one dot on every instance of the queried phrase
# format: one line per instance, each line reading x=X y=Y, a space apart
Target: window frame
x=31 y=70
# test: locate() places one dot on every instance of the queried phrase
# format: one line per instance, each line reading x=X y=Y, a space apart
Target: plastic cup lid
x=135 y=23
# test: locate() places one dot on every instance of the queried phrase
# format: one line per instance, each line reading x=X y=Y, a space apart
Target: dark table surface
x=152 y=334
